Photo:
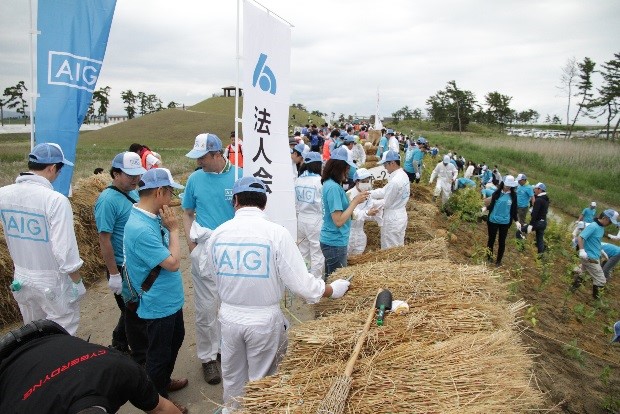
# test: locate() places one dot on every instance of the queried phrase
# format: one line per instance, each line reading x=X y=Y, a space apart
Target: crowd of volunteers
x=241 y=262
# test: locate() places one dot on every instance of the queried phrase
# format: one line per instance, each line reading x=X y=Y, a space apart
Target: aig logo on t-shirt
x=24 y=225
x=242 y=259
x=228 y=194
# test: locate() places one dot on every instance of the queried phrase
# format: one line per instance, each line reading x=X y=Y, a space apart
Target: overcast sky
x=342 y=51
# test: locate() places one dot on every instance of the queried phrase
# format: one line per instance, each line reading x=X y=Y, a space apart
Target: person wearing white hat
x=367 y=210
x=502 y=207
x=112 y=210
x=39 y=232
x=588 y=214
x=253 y=260
x=589 y=242
x=309 y=204
x=152 y=254
x=395 y=196
x=206 y=205
x=446 y=174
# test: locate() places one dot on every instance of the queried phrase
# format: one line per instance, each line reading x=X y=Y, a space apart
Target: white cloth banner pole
x=266 y=95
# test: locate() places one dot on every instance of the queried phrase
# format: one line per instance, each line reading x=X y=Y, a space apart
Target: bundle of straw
x=435 y=248
x=468 y=373
x=9 y=312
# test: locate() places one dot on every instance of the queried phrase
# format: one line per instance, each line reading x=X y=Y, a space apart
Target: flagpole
x=33 y=32
x=237 y=120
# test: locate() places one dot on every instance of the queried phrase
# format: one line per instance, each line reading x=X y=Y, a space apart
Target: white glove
x=77 y=291
x=531 y=209
x=430 y=182
x=116 y=284
x=582 y=254
x=417 y=176
x=339 y=288
x=484 y=209
x=529 y=229
x=518 y=225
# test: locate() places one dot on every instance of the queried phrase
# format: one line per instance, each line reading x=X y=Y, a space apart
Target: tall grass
x=575 y=171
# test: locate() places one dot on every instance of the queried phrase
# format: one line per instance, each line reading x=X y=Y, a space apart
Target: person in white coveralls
x=395 y=195
x=253 y=260
x=446 y=174
x=39 y=232
x=366 y=210
x=309 y=204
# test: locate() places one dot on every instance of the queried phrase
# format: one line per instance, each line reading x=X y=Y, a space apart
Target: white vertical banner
x=266 y=94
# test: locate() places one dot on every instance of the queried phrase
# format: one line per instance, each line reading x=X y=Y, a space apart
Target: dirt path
x=99 y=315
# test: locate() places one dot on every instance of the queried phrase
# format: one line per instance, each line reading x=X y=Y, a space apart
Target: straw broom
x=337 y=395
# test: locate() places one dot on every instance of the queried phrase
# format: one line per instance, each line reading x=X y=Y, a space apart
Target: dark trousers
x=135 y=329
x=335 y=258
x=165 y=339
x=493 y=229
x=540 y=227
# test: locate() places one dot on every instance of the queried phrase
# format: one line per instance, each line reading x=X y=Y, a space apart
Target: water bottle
x=16 y=286
x=49 y=294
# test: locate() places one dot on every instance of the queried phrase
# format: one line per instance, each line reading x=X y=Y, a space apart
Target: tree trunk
x=570 y=129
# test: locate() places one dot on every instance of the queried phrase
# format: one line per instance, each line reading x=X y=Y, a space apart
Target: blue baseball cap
x=158 y=177
x=389 y=131
x=343 y=133
x=129 y=163
x=612 y=215
x=203 y=144
x=541 y=186
x=312 y=157
x=252 y=184
x=616 y=332
x=361 y=174
x=300 y=148
x=48 y=153
x=342 y=154
x=391 y=155
x=349 y=139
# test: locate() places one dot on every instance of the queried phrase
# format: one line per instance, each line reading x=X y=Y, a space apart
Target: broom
x=334 y=401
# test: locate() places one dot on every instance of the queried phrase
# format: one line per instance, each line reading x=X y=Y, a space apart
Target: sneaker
x=177 y=384
x=211 y=372
x=181 y=407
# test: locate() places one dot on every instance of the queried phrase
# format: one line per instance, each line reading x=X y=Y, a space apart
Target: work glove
x=529 y=229
x=116 y=284
x=77 y=291
x=518 y=225
x=582 y=254
x=484 y=209
x=417 y=176
x=339 y=287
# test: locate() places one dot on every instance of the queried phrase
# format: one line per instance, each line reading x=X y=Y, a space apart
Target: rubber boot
x=596 y=291
x=576 y=284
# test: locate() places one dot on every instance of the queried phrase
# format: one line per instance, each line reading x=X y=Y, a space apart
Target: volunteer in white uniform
x=38 y=227
x=395 y=195
x=309 y=204
x=253 y=260
x=446 y=174
x=366 y=210
x=393 y=144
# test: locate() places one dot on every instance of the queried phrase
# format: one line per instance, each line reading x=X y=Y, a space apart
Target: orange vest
x=145 y=153
x=232 y=156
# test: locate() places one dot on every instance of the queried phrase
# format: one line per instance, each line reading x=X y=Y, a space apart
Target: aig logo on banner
x=264 y=76
x=24 y=225
x=79 y=72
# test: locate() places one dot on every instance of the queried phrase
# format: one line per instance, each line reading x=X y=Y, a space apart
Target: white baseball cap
x=129 y=163
x=203 y=144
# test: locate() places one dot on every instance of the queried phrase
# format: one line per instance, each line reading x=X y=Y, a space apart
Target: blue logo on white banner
x=264 y=76
x=65 y=69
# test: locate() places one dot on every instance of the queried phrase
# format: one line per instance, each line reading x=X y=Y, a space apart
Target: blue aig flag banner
x=70 y=50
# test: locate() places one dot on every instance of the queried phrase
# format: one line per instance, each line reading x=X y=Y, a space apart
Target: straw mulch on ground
x=435 y=248
x=420 y=227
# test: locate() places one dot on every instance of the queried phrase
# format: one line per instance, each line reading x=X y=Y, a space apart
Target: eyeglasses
x=173 y=192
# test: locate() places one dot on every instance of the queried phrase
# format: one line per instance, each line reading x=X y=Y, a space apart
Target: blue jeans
x=335 y=258
x=165 y=339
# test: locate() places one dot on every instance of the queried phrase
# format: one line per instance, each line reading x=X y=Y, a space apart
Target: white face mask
x=364 y=186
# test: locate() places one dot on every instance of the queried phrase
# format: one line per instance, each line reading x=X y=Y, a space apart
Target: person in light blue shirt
x=207 y=204
x=464 y=182
x=589 y=242
x=588 y=213
x=613 y=257
x=408 y=163
x=488 y=190
x=418 y=156
x=112 y=210
x=152 y=261
x=502 y=211
x=525 y=197
x=383 y=144
x=337 y=211
x=486 y=176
